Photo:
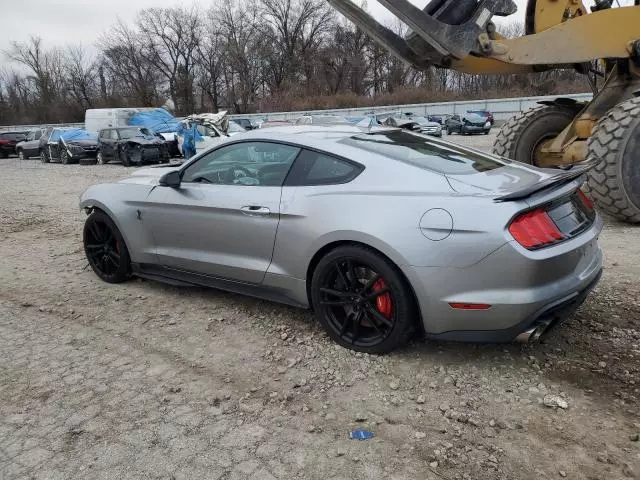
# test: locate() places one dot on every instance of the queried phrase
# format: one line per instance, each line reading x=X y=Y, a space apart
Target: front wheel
x=64 y=157
x=22 y=156
x=614 y=183
x=362 y=300
x=100 y=159
x=105 y=248
x=44 y=156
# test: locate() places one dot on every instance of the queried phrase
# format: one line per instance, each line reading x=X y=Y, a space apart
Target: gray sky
x=63 y=22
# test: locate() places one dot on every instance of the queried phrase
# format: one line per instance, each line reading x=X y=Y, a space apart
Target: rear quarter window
x=420 y=151
x=315 y=168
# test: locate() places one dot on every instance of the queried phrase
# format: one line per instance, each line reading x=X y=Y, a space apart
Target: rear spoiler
x=564 y=177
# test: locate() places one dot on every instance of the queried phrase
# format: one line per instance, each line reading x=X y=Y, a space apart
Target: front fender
x=122 y=202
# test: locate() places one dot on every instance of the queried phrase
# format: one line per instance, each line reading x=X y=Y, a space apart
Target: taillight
x=535 y=229
x=586 y=200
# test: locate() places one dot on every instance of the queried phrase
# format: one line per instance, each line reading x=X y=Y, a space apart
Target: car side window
x=313 y=168
x=246 y=163
x=114 y=135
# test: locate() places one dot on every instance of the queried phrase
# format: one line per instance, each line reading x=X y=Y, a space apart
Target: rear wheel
x=523 y=136
x=105 y=248
x=615 y=181
x=44 y=156
x=21 y=155
x=362 y=301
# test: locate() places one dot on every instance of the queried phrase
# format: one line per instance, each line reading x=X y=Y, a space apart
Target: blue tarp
x=74 y=134
x=157 y=120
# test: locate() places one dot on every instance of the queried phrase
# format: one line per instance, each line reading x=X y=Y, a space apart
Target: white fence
x=502 y=108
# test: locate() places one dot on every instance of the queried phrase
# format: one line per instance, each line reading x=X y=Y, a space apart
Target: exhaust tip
x=525 y=336
x=534 y=333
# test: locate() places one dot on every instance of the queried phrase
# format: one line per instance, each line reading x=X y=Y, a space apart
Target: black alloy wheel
x=362 y=301
x=105 y=248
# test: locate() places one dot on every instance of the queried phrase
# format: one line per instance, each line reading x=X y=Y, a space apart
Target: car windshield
x=134 y=132
x=235 y=128
x=421 y=120
x=423 y=152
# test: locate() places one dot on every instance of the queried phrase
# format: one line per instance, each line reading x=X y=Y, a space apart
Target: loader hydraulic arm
x=459 y=34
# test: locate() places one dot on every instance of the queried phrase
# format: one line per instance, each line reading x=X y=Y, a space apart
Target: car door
x=222 y=220
x=32 y=146
x=454 y=123
x=210 y=138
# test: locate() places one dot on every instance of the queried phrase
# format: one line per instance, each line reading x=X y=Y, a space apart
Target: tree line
x=268 y=55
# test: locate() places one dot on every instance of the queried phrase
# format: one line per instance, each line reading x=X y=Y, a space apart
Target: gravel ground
x=145 y=380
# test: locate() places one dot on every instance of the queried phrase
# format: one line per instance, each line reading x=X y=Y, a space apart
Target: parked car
x=131 y=146
x=30 y=146
x=467 y=124
x=245 y=123
x=483 y=113
x=8 y=142
x=464 y=244
x=415 y=123
x=68 y=145
x=321 y=120
x=436 y=118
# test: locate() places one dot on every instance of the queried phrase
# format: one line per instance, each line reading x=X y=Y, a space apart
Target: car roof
x=325 y=138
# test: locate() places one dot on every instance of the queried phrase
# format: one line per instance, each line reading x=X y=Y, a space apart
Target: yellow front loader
x=560 y=34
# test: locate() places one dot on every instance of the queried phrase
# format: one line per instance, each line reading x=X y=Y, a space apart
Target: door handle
x=255 y=210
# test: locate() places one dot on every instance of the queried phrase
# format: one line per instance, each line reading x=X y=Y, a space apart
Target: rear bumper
x=552 y=313
x=520 y=286
x=474 y=129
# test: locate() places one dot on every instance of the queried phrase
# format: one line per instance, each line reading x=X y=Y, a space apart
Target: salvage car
x=467 y=124
x=30 y=146
x=246 y=123
x=68 y=145
x=415 y=123
x=382 y=232
x=131 y=146
x=8 y=142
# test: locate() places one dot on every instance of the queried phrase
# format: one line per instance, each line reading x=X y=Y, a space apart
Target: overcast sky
x=63 y=22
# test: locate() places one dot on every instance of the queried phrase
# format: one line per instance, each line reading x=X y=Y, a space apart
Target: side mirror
x=170 y=179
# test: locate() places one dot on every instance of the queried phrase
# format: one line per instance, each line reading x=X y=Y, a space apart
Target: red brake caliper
x=383 y=302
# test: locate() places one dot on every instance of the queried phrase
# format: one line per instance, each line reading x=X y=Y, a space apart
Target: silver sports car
x=381 y=231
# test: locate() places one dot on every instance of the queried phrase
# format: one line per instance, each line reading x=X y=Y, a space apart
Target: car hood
x=148 y=176
x=430 y=125
x=82 y=143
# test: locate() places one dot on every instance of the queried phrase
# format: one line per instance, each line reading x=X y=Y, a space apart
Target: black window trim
x=358 y=165
x=358 y=169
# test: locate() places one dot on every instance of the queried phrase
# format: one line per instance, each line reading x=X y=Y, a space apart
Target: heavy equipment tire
x=519 y=138
x=614 y=183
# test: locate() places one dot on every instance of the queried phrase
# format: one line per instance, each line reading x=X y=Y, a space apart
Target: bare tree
x=131 y=74
x=172 y=37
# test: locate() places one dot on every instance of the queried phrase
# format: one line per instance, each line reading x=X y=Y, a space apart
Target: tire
x=22 y=156
x=519 y=138
x=44 y=156
x=614 y=183
x=448 y=132
x=393 y=326
x=64 y=157
x=100 y=159
x=105 y=248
